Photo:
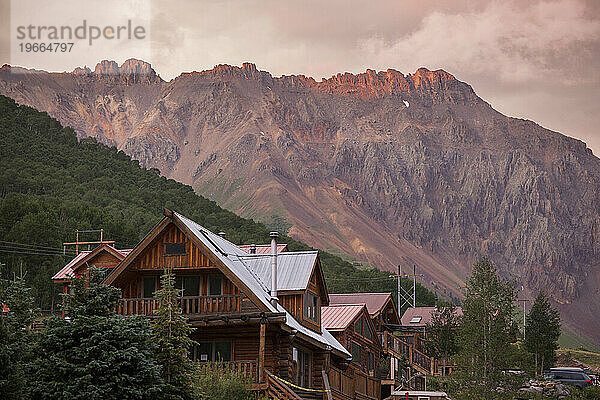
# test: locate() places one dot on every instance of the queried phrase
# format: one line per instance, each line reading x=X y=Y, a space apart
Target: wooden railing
x=423 y=361
x=279 y=390
x=341 y=383
x=353 y=384
x=248 y=369
x=227 y=303
x=397 y=345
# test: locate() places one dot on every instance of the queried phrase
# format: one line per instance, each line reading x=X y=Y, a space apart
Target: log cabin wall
x=293 y=303
x=348 y=336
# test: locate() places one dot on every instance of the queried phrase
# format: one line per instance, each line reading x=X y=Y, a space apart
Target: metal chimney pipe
x=274 y=236
x=252 y=249
x=222 y=234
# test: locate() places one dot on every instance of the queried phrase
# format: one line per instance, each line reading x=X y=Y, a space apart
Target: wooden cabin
x=103 y=256
x=274 y=335
x=414 y=321
x=381 y=306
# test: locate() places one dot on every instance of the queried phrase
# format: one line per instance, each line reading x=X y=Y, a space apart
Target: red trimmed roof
x=264 y=248
x=421 y=316
x=339 y=317
x=68 y=271
x=373 y=301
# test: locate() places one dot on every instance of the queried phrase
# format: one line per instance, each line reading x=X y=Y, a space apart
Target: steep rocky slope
x=388 y=168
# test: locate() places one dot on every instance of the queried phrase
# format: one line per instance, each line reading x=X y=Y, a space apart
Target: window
x=188 y=285
x=215 y=285
x=415 y=320
x=211 y=351
x=370 y=361
x=174 y=249
x=356 y=353
x=148 y=286
x=311 y=307
x=361 y=327
x=358 y=326
x=302 y=366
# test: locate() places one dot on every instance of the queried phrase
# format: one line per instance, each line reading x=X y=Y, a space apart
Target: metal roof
x=263 y=248
x=339 y=317
x=233 y=257
x=421 y=316
x=68 y=271
x=293 y=269
x=373 y=301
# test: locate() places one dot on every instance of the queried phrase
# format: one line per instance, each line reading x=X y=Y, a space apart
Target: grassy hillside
x=52 y=184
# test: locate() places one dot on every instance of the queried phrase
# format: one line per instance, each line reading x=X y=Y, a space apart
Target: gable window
x=188 y=285
x=148 y=286
x=370 y=361
x=211 y=351
x=215 y=285
x=311 y=307
x=361 y=327
x=174 y=249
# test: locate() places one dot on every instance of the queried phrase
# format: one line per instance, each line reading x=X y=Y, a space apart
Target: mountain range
x=382 y=167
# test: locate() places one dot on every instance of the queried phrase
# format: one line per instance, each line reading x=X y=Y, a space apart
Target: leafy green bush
x=211 y=381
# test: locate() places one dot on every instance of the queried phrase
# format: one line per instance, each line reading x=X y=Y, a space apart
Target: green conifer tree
x=542 y=331
x=171 y=332
x=15 y=336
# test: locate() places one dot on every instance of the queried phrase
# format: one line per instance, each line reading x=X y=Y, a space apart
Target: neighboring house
x=351 y=325
x=381 y=306
x=414 y=323
x=103 y=256
x=239 y=319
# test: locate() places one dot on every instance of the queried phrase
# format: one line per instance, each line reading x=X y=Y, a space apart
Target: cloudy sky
x=536 y=59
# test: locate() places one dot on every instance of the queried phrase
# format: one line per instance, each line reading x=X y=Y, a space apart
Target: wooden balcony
x=190 y=305
x=248 y=369
x=353 y=384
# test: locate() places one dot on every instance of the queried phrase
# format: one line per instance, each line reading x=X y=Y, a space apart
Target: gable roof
x=374 y=301
x=235 y=260
x=263 y=248
x=69 y=271
x=338 y=318
x=421 y=316
x=294 y=269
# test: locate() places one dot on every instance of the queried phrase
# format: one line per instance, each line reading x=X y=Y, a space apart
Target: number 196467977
x=54 y=47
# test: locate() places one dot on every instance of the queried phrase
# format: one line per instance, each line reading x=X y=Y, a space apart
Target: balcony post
x=261 y=352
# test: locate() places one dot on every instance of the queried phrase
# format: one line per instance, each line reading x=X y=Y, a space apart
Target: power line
x=40 y=250
x=31 y=245
x=32 y=252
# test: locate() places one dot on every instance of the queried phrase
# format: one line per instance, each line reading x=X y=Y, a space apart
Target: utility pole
x=524 y=300
x=407 y=298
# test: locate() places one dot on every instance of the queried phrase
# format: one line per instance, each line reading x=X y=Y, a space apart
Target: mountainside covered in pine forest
x=51 y=184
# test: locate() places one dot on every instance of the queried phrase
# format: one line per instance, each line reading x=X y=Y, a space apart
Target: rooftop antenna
x=77 y=243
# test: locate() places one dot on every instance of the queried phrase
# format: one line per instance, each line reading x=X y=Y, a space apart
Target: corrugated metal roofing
x=373 y=301
x=232 y=256
x=293 y=269
x=263 y=248
x=339 y=317
x=424 y=313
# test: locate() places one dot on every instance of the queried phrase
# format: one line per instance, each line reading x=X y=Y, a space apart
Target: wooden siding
x=153 y=257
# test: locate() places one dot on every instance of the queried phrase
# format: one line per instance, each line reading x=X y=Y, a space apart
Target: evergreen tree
x=15 y=337
x=441 y=333
x=95 y=354
x=487 y=327
x=171 y=333
x=542 y=332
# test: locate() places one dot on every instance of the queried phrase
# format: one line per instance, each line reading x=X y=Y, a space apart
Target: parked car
x=569 y=376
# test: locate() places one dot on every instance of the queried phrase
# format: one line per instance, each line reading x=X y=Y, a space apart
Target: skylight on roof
x=415 y=320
